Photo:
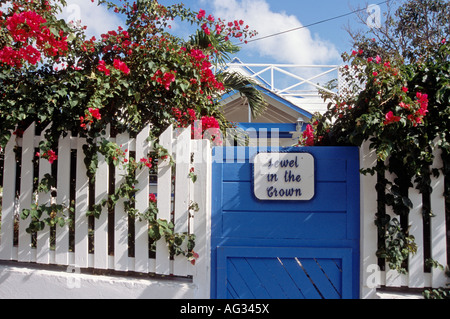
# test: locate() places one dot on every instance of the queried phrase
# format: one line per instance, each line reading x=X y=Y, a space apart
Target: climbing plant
x=398 y=100
x=53 y=74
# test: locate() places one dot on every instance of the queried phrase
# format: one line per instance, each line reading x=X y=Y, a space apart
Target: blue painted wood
x=282 y=272
x=281 y=224
x=285 y=249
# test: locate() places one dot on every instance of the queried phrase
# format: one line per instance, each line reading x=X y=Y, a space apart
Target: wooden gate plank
x=242 y=266
x=319 y=279
x=308 y=290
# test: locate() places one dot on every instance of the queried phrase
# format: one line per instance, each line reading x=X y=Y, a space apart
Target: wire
x=311 y=24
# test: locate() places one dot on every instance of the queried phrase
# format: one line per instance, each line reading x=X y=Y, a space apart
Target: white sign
x=283 y=176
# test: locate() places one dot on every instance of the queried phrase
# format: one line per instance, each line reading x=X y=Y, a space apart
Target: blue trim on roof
x=267 y=92
x=275 y=97
x=283 y=130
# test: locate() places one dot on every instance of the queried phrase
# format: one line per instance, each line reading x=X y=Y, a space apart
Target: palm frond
x=246 y=86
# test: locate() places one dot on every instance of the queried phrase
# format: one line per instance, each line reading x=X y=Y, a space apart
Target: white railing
x=290 y=80
x=74 y=247
x=372 y=277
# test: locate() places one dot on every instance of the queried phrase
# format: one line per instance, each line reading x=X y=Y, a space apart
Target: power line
x=311 y=24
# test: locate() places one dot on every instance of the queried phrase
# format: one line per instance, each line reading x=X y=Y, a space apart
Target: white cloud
x=98 y=19
x=298 y=47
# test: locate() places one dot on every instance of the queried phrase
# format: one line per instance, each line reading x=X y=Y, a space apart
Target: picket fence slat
x=8 y=202
x=43 y=236
x=142 y=263
x=202 y=196
x=182 y=190
x=416 y=262
x=81 y=206
x=438 y=227
x=370 y=273
x=63 y=198
x=101 y=223
x=26 y=192
x=120 y=215
x=393 y=277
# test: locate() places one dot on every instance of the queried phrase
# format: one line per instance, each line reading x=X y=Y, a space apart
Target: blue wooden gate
x=285 y=248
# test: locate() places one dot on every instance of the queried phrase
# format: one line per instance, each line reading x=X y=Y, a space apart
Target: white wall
x=29 y=283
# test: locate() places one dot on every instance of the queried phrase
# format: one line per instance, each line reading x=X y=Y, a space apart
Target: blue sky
x=319 y=44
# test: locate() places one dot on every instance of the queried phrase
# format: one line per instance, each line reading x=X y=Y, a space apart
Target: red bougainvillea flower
x=122 y=66
x=95 y=113
x=308 y=136
x=378 y=59
x=89 y=117
x=201 y=14
x=147 y=162
x=194 y=257
x=29 y=27
x=391 y=118
x=50 y=155
x=102 y=67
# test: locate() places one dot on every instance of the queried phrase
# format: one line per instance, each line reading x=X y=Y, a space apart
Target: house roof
x=284 y=105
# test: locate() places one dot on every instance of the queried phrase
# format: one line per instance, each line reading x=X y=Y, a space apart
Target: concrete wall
x=29 y=283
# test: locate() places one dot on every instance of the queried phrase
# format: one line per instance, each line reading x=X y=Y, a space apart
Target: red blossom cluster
x=118 y=65
x=89 y=117
x=164 y=78
x=422 y=100
x=391 y=118
x=419 y=110
x=211 y=129
x=194 y=257
x=119 y=155
x=152 y=198
x=147 y=162
x=102 y=67
x=50 y=155
x=186 y=118
x=308 y=136
x=207 y=77
x=209 y=126
x=118 y=42
x=122 y=66
x=28 y=29
x=235 y=29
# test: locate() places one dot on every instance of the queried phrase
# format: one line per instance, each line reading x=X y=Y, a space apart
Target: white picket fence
x=174 y=193
x=416 y=277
